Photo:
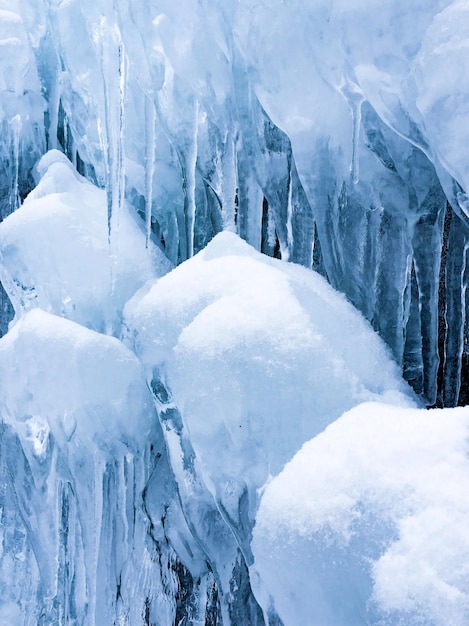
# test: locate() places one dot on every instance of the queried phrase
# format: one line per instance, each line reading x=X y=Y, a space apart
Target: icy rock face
x=61 y=231
x=367 y=523
x=249 y=357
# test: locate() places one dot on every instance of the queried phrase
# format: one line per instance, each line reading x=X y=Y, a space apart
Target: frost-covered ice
x=52 y=368
x=144 y=410
x=77 y=426
x=327 y=132
x=368 y=522
x=55 y=252
x=259 y=356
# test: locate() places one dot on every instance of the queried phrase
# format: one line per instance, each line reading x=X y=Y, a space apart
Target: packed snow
x=367 y=524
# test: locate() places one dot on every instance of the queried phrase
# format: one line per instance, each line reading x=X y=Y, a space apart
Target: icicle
x=276 y=180
x=191 y=160
x=455 y=310
x=120 y=173
x=228 y=182
x=69 y=144
x=53 y=108
x=356 y=106
x=351 y=92
x=287 y=253
x=412 y=365
x=250 y=203
x=110 y=49
x=150 y=120
x=15 y=124
x=426 y=244
x=66 y=551
x=304 y=244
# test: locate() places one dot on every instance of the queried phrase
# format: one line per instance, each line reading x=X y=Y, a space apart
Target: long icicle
x=150 y=121
x=114 y=76
x=356 y=106
x=15 y=125
x=191 y=162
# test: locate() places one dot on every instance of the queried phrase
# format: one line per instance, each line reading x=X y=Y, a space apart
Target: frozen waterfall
x=331 y=135
x=233 y=248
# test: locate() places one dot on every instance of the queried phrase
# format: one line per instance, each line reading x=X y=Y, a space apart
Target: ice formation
x=77 y=428
x=258 y=356
x=162 y=379
x=327 y=133
x=61 y=231
x=124 y=495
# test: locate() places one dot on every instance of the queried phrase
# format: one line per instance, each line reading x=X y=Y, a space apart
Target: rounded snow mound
x=368 y=523
x=259 y=355
x=61 y=378
x=55 y=252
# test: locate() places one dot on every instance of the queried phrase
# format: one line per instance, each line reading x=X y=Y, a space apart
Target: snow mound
x=61 y=232
x=368 y=523
x=259 y=357
x=57 y=376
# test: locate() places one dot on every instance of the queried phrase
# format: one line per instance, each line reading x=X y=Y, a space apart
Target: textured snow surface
x=367 y=524
x=251 y=342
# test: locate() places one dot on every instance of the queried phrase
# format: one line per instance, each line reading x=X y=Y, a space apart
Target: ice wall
x=94 y=526
x=61 y=231
x=76 y=447
x=332 y=135
x=132 y=465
